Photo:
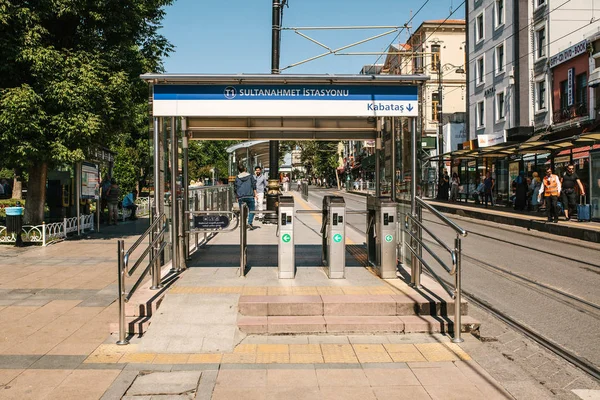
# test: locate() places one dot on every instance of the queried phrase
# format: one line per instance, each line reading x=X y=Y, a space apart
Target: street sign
x=211 y=221
x=389 y=238
x=286 y=237
x=337 y=238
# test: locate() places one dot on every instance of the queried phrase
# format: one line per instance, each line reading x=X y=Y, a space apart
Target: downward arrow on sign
x=409 y=107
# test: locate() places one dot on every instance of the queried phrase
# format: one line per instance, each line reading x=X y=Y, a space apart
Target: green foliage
x=205 y=155
x=69 y=78
x=320 y=158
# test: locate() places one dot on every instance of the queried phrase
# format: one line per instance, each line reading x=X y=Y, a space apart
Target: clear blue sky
x=234 y=36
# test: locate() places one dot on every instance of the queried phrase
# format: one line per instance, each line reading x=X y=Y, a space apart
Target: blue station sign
x=285 y=100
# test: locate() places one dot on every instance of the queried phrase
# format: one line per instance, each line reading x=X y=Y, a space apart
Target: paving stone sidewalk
x=57 y=303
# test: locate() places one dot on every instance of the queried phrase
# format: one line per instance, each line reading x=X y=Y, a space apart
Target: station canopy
x=287 y=107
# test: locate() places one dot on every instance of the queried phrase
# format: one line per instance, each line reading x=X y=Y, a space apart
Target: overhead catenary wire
x=399 y=32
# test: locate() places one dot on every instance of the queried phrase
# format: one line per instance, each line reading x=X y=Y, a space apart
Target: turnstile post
x=286 y=257
x=334 y=236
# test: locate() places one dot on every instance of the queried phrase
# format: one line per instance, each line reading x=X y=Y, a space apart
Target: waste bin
x=14 y=223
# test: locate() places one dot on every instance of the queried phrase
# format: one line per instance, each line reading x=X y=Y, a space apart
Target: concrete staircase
x=143 y=304
x=349 y=313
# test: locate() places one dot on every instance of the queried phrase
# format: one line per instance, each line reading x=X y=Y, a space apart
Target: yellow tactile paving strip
x=289 y=353
x=283 y=291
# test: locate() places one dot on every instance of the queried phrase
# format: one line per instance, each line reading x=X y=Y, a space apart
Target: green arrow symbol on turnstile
x=389 y=238
x=286 y=237
x=337 y=238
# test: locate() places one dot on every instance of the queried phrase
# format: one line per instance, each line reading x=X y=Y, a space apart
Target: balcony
x=578 y=110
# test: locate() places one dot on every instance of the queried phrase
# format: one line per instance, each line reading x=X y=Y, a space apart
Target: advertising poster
x=89 y=181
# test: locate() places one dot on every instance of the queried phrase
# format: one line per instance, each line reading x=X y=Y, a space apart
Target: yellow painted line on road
x=268 y=353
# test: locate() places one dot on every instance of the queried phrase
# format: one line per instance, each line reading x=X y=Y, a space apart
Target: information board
x=90 y=181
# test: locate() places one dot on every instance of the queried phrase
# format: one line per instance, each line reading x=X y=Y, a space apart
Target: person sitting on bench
x=129 y=204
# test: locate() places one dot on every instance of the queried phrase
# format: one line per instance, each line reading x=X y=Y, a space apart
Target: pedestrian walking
x=567 y=194
x=454 y=187
x=488 y=184
x=536 y=184
x=261 y=188
x=520 y=192
x=113 y=195
x=551 y=190
x=245 y=192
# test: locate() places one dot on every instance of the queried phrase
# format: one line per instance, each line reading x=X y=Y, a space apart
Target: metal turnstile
x=381 y=235
x=333 y=231
x=286 y=258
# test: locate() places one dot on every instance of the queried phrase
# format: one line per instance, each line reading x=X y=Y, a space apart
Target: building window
x=435 y=102
x=479 y=28
x=540 y=35
x=480 y=114
x=499 y=12
x=500 y=59
x=500 y=106
x=541 y=95
x=480 y=72
x=564 y=94
x=581 y=90
x=418 y=64
x=435 y=57
x=541 y=2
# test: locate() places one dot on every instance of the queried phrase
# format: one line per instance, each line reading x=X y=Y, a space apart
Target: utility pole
x=440 y=141
x=273 y=192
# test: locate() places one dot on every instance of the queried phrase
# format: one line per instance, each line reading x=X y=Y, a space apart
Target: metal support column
x=378 y=165
x=273 y=192
x=457 y=293
x=415 y=266
x=186 y=192
x=121 y=287
x=174 y=211
x=158 y=198
x=393 y=161
x=181 y=235
x=78 y=196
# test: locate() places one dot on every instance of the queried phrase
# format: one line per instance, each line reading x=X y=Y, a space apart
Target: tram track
x=588 y=308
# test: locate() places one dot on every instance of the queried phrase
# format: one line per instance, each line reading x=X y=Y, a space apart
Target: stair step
x=362 y=324
x=352 y=324
x=281 y=305
x=367 y=305
x=349 y=305
x=133 y=325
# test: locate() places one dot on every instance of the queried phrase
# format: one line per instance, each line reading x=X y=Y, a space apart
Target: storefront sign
x=570 y=87
x=568 y=53
x=490 y=140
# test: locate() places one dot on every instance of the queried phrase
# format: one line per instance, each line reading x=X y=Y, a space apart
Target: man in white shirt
x=261 y=187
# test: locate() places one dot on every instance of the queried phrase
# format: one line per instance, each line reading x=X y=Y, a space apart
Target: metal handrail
x=441 y=216
x=438 y=240
x=153 y=264
x=416 y=246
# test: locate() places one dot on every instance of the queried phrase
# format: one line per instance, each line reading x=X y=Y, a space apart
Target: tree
x=205 y=155
x=70 y=80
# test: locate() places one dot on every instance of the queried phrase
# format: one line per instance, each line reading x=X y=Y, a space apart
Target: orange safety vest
x=551 y=186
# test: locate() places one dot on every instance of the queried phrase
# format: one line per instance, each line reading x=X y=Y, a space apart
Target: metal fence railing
x=152 y=252
x=414 y=227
